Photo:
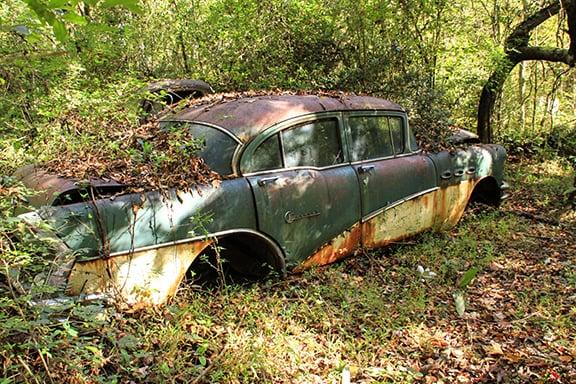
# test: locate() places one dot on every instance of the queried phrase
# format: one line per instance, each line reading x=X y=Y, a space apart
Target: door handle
x=366 y=168
x=267 y=180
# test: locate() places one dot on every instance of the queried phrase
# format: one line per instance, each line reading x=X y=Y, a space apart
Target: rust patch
x=341 y=246
x=140 y=278
x=399 y=222
x=438 y=209
x=451 y=203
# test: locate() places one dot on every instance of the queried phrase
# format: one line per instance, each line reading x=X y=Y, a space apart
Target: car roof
x=246 y=117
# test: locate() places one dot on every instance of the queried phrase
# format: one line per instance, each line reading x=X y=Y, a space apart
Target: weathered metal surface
x=140 y=278
x=142 y=220
x=246 y=117
x=340 y=247
x=51 y=187
x=178 y=86
x=304 y=209
x=440 y=208
x=391 y=180
x=451 y=202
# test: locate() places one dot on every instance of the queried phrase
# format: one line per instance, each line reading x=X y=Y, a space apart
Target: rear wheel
x=237 y=258
x=486 y=192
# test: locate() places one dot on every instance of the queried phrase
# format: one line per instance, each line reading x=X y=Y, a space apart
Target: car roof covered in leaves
x=246 y=117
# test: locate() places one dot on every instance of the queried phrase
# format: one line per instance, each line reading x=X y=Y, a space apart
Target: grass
x=374 y=315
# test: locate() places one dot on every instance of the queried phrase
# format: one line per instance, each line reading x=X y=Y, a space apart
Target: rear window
x=217 y=147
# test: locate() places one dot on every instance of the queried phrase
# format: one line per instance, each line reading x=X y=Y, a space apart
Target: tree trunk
x=517 y=50
x=490 y=93
x=521 y=92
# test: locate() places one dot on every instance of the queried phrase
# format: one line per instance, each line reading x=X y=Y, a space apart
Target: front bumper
x=504 y=191
x=61 y=265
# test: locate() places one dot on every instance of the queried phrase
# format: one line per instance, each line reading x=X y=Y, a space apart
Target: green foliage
x=64 y=16
x=468 y=277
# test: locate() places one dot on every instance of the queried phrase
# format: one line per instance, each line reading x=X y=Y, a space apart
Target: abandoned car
x=308 y=180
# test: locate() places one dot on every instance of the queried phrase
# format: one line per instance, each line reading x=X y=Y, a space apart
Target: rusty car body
x=309 y=180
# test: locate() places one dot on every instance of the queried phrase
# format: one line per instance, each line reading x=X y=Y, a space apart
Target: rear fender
x=144 y=277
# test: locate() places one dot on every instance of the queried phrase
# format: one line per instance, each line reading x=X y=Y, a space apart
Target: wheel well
x=487 y=192
x=245 y=254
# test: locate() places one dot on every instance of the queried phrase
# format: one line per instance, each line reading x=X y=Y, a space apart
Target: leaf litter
x=149 y=157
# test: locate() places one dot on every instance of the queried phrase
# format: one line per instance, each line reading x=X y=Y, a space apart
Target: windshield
x=217 y=147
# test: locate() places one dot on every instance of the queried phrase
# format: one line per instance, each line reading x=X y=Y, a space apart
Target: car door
x=306 y=193
x=396 y=183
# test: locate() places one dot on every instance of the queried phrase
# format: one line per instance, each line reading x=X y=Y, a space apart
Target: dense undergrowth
x=377 y=315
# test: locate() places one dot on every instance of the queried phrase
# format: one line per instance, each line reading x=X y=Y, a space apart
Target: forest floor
x=375 y=317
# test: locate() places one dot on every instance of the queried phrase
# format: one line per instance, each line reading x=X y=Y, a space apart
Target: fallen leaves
x=494 y=349
x=125 y=157
x=149 y=157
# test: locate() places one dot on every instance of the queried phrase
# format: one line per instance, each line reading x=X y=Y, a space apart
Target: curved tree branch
x=557 y=55
x=521 y=33
x=517 y=49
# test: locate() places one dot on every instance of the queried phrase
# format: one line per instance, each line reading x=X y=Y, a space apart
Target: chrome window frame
x=244 y=152
x=251 y=147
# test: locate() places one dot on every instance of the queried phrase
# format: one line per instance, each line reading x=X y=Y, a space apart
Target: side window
x=370 y=137
x=413 y=142
x=266 y=156
x=397 y=134
x=315 y=144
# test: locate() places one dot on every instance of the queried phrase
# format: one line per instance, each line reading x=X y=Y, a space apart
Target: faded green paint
x=314 y=215
x=141 y=220
x=303 y=209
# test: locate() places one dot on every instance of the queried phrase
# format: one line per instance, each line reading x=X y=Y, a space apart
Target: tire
x=158 y=94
